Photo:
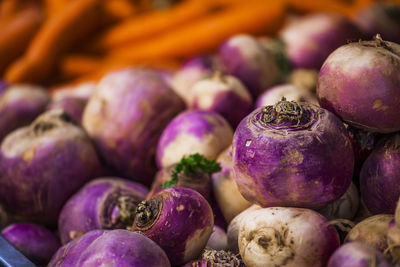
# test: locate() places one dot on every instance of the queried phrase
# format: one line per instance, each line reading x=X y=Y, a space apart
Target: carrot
x=56 y=36
x=119 y=9
x=307 y=6
x=205 y=34
x=54 y=7
x=152 y=23
x=17 y=33
x=72 y=66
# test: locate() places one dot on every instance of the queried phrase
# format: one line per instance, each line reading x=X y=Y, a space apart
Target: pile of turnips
x=270 y=152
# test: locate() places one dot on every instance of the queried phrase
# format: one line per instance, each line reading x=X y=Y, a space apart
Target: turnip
x=218 y=239
x=280 y=156
x=19 y=105
x=43 y=164
x=244 y=57
x=3 y=217
x=223 y=94
x=343 y=208
x=193 y=131
x=311 y=38
x=225 y=189
x=286 y=237
x=179 y=220
x=126 y=116
x=277 y=48
x=193 y=172
x=36 y=242
x=357 y=254
x=112 y=248
x=372 y=231
x=304 y=78
x=104 y=203
x=217 y=258
x=360 y=83
x=191 y=72
x=382 y=18
x=393 y=238
x=3 y=86
x=289 y=91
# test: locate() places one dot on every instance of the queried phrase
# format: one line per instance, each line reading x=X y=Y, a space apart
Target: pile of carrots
x=54 y=42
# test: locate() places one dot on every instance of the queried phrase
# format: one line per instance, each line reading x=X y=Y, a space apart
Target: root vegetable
x=218 y=239
x=220 y=258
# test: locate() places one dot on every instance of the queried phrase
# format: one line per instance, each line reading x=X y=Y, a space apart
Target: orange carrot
x=54 y=7
x=17 y=33
x=152 y=23
x=56 y=36
x=72 y=66
x=119 y=9
x=205 y=34
x=307 y=6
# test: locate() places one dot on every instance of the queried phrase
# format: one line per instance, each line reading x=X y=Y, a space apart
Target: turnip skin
x=42 y=165
x=285 y=164
x=286 y=237
x=217 y=258
x=393 y=237
x=179 y=220
x=218 y=239
x=98 y=204
x=379 y=177
x=126 y=116
x=245 y=58
x=357 y=254
x=20 y=104
x=193 y=131
x=310 y=39
x=114 y=248
x=3 y=87
x=37 y=243
x=360 y=83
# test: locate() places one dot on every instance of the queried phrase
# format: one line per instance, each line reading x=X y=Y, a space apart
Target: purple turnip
x=360 y=83
x=179 y=220
x=20 y=105
x=393 y=238
x=43 y=164
x=280 y=156
x=286 y=237
x=304 y=78
x=217 y=258
x=104 y=203
x=310 y=39
x=357 y=254
x=3 y=87
x=37 y=243
x=218 y=239
x=223 y=94
x=225 y=189
x=126 y=116
x=113 y=248
x=193 y=131
x=244 y=57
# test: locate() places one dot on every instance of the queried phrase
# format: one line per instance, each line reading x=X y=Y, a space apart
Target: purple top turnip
x=126 y=116
x=36 y=242
x=357 y=254
x=193 y=131
x=223 y=94
x=3 y=87
x=43 y=164
x=286 y=237
x=311 y=38
x=218 y=239
x=217 y=258
x=179 y=220
x=382 y=18
x=114 y=248
x=380 y=176
x=104 y=203
x=393 y=238
x=280 y=156
x=244 y=57
x=20 y=105
x=304 y=78
x=360 y=83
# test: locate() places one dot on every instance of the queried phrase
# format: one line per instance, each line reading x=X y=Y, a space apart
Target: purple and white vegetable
x=304 y=78
x=112 y=248
x=225 y=189
x=360 y=83
x=286 y=237
x=357 y=254
x=311 y=38
x=218 y=239
x=19 y=105
x=193 y=131
x=223 y=94
x=37 y=243
x=280 y=156
x=372 y=231
x=245 y=58
x=126 y=116
x=393 y=238
x=104 y=203
x=217 y=258
x=288 y=91
x=43 y=164
x=179 y=220
x=3 y=87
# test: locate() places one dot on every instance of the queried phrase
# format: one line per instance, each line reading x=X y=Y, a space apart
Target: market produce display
x=200 y=133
